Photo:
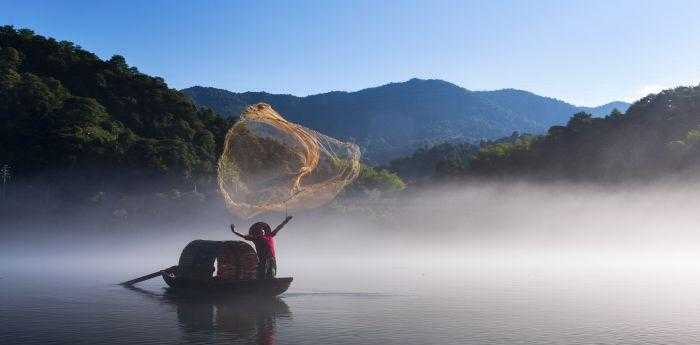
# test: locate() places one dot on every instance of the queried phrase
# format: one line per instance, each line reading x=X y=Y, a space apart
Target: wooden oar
x=148 y=276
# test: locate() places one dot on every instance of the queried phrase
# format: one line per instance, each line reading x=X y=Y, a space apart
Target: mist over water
x=482 y=263
x=437 y=230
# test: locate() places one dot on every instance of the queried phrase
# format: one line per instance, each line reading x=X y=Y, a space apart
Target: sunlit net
x=269 y=164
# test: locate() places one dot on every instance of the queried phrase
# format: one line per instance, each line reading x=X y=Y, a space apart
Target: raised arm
x=233 y=229
x=279 y=227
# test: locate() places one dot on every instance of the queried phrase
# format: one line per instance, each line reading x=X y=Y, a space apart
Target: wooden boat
x=218 y=267
x=260 y=287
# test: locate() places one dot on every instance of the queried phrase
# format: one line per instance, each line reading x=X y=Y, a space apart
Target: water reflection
x=205 y=319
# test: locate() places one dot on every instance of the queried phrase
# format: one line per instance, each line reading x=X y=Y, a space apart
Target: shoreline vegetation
x=81 y=135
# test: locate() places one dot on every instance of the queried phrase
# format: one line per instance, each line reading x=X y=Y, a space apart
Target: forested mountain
x=72 y=125
x=77 y=131
x=545 y=109
x=393 y=120
x=66 y=111
x=657 y=136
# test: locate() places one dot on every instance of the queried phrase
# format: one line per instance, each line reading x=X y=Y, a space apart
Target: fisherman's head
x=259 y=229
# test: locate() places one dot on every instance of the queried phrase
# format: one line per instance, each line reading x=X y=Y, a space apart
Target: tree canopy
x=65 y=109
x=657 y=135
x=77 y=130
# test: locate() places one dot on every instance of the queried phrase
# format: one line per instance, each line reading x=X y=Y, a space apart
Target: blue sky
x=583 y=52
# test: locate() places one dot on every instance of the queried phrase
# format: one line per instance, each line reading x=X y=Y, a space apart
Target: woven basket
x=235 y=260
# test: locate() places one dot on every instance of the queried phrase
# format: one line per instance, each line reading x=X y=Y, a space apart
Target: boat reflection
x=249 y=320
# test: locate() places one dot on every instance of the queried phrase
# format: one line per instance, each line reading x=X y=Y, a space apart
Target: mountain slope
x=544 y=110
x=393 y=120
x=63 y=109
x=657 y=136
x=605 y=109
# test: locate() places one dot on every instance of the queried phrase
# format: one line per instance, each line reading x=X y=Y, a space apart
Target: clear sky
x=583 y=52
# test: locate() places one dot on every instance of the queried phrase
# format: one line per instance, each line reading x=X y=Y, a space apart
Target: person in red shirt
x=264 y=239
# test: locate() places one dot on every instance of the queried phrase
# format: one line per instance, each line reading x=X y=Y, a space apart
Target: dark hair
x=262 y=226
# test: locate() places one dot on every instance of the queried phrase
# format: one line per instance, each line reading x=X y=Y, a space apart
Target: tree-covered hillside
x=427 y=163
x=77 y=131
x=64 y=110
x=387 y=121
x=393 y=120
x=544 y=110
x=657 y=136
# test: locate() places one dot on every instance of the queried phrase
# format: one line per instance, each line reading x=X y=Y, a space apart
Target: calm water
x=509 y=303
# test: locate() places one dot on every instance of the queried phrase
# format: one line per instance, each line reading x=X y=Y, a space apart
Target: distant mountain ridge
x=392 y=120
x=605 y=109
x=658 y=137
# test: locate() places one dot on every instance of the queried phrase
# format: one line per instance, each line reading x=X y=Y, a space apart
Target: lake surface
x=484 y=265
x=584 y=302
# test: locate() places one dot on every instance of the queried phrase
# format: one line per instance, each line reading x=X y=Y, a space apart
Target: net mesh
x=269 y=164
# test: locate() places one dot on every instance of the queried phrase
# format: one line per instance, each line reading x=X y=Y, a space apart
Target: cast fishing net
x=270 y=164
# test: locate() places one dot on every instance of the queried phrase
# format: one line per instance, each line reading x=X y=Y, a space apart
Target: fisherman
x=264 y=239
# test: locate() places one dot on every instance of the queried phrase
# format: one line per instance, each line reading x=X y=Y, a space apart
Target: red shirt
x=264 y=245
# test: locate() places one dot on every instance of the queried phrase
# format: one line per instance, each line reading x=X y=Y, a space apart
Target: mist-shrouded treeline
x=447 y=229
x=108 y=167
x=84 y=135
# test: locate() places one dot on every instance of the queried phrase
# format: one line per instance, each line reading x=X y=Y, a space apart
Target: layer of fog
x=485 y=228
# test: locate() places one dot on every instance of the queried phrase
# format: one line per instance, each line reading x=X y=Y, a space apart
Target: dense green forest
x=76 y=128
x=65 y=110
x=441 y=162
x=657 y=136
x=429 y=163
